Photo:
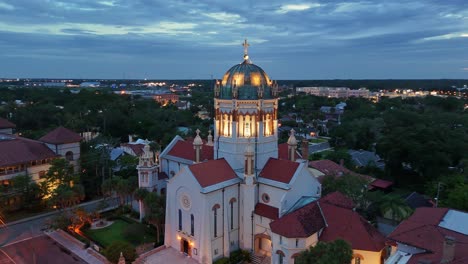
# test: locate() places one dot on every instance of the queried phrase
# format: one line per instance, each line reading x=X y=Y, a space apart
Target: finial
x=197 y=141
x=292 y=139
x=246 y=49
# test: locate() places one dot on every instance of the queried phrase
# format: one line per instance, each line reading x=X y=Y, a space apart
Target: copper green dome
x=245 y=81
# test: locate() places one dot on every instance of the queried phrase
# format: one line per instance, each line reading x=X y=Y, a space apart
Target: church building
x=238 y=189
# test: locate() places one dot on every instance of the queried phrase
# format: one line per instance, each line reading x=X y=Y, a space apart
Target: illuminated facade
x=246 y=109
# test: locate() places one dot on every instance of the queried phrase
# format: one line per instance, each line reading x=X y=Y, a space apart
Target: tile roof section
x=20 y=150
x=301 y=223
x=334 y=214
x=266 y=211
x=136 y=148
x=212 y=172
x=61 y=135
x=338 y=199
x=347 y=224
x=184 y=149
x=381 y=184
x=422 y=230
x=4 y=123
x=329 y=167
x=279 y=170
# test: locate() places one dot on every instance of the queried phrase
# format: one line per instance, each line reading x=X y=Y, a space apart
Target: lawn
x=317 y=140
x=105 y=236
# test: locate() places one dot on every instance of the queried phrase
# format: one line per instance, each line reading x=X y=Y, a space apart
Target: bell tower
x=246 y=108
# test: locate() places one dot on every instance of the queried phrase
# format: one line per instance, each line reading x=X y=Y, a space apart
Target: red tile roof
x=334 y=214
x=381 y=184
x=18 y=150
x=301 y=223
x=4 y=123
x=329 y=167
x=422 y=230
x=184 y=149
x=279 y=170
x=347 y=224
x=61 y=135
x=212 y=172
x=338 y=199
x=136 y=148
x=266 y=211
x=283 y=151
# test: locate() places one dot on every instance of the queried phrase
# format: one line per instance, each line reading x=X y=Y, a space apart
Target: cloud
x=296 y=7
x=289 y=38
x=6 y=6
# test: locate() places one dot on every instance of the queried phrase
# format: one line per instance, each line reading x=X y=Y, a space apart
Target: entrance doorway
x=185 y=247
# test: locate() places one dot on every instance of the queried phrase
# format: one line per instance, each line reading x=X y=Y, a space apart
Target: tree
x=61 y=186
x=155 y=205
x=336 y=252
x=394 y=207
x=457 y=198
x=112 y=252
x=353 y=186
x=26 y=190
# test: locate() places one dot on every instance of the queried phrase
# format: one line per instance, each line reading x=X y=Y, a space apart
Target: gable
x=279 y=170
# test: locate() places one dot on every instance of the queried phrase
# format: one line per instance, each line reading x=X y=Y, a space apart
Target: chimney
x=197 y=145
x=448 y=251
x=305 y=149
x=342 y=162
x=130 y=138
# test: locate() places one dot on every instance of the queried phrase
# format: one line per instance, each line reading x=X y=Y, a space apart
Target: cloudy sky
x=185 y=39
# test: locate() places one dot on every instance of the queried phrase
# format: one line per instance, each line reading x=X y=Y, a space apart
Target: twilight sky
x=186 y=39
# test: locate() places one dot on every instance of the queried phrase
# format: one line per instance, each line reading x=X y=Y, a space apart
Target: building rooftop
x=4 y=123
x=61 y=135
x=22 y=150
x=279 y=170
x=212 y=172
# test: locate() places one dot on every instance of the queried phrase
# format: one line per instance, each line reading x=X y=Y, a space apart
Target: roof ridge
x=321 y=212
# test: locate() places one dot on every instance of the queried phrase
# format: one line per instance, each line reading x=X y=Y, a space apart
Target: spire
x=197 y=145
x=121 y=259
x=292 y=143
x=147 y=158
x=246 y=50
x=210 y=139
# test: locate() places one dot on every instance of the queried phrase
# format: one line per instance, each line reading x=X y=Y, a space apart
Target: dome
x=246 y=81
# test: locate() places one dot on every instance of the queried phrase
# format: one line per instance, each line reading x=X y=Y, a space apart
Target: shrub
x=239 y=256
x=112 y=252
x=222 y=261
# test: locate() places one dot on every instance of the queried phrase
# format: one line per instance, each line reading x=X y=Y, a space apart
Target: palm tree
x=155 y=214
x=394 y=207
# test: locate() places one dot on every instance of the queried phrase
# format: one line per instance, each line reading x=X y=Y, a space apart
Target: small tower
x=148 y=171
x=292 y=144
x=197 y=145
x=210 y=139
x=121 y=259
x=248 y=189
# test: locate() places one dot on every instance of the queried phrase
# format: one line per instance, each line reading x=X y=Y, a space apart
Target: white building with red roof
x=239 y=190
x=223 y=193
x=19 y=156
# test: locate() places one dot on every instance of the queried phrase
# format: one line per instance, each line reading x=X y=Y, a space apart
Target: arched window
x=231 y=202
x=69 y=156
x=215 y=219
x=280 y=256
x=180 y=219
x=192 y=225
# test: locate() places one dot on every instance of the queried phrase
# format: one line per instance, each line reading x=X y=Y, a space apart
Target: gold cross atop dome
x=246 y=49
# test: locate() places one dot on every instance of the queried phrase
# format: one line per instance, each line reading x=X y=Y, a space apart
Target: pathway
x=71 y=244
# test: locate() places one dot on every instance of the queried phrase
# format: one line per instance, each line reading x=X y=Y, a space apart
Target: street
x=13 y=233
